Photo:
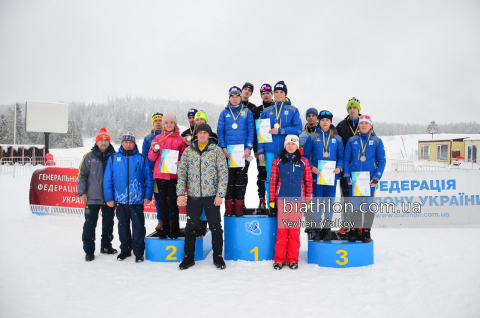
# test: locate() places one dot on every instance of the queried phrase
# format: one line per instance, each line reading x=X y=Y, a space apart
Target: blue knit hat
x=128 y=136
x=192 y=112
x=281 y=86
x=311 y=111
x=266 y=88
x=325 y=114
x=248 y=85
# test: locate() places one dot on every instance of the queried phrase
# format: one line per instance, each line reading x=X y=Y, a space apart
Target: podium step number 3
x=340 y=254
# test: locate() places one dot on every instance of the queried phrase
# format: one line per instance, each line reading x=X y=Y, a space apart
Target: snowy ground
x=417 y=273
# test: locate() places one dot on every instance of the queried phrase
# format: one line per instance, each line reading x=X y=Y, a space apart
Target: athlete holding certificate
x=364 y=152
x=236 y=130
x=324 y=150
x=166 y=150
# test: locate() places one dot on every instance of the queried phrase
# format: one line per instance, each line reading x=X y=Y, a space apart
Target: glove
x=273 y=209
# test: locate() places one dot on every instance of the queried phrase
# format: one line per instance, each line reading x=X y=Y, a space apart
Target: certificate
x=361 y=183
x=236 y=153
x=326 y=175
x=263 y=127
x=168 y=161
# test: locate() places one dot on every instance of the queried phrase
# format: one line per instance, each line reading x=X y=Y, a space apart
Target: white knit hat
x=292 y=138
x=366 y=118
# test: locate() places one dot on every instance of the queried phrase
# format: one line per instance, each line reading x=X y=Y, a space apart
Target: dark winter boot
x=219 y=262
x=123 y=255
x=366 y=236
x=89 y=257
x=262 y=205
x=163 y=234
x=108 y=250
x=139 y=258
x=360 y=234
x=317 y=235
x=186 y=263
x=353 y=235
x=159 y=226
x=228 y=207
x=293 y=265
x=327 y=234
x=238 y=208
x=277 y=266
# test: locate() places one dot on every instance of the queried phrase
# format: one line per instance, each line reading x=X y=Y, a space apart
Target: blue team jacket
x=290 y=124
x=375 y=156
x=245 y=132
x=313 y=148
x=128 y=180
x=147 y=142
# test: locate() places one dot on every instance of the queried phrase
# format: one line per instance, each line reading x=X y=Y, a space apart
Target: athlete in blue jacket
x=236 y=127
x=156 y=130
x=364 y=152
x=284 y=120
x=128 y=183
x=324 y=144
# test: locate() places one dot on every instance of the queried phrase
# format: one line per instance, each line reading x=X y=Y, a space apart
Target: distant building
x=22 y=154
x=472 y=144
x=445 y=150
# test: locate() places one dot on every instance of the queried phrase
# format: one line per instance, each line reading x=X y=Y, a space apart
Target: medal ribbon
x=364 y=147
x=278 y=112
x=353 y=132
x=165 y=136
x=328 y=140
x=235 y=119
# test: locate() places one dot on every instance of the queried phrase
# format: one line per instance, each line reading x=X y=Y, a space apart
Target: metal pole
x=14 y=123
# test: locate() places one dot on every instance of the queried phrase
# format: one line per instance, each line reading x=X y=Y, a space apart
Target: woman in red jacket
x=169 y=139
x=291 y=178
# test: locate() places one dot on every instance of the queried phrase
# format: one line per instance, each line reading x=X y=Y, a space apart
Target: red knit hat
x=102 y=135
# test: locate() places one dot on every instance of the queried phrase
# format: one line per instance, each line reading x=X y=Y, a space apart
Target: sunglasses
x=235 y=92
x=366 y=117
x=325 y=112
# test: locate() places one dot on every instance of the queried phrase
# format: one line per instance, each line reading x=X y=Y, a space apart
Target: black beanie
x=204 y=127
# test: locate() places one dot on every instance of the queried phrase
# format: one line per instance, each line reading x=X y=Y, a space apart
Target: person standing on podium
x=365 y=152
x=284 y=120
x=203 y=173
x=236 y=128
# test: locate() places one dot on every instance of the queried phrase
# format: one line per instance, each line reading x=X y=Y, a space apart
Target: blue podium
x=250 y=237
x=340 y=253
x=172 y=250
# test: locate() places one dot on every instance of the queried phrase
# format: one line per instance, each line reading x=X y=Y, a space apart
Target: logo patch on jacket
x=119 y=159
x=371 y=142
x=334 y=141
x=286 y=112
x=228 y=115
x=355 y=143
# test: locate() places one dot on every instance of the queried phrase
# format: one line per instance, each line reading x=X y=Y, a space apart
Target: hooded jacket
x=203 y=173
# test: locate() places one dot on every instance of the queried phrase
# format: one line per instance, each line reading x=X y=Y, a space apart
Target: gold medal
x=363 y=158
x=235 y=126
x=277 y=125
x=326 y=154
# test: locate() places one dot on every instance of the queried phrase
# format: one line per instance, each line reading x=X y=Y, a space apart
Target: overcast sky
x=407 y=61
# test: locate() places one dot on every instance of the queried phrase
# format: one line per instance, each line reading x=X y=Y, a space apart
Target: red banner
x=53 y=191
